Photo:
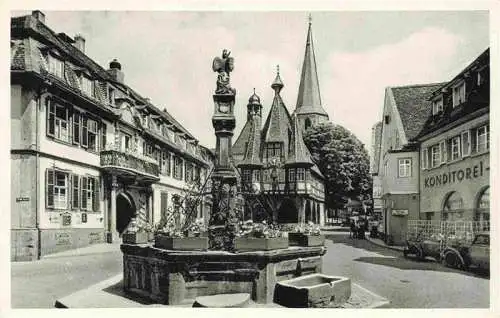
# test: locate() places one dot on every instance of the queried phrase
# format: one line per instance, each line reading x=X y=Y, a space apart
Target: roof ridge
x=418 y=85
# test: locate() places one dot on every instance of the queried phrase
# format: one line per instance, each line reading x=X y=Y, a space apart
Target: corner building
x=88 y=153
x=454 y=151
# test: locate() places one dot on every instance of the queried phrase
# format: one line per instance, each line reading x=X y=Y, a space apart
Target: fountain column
x=223 y=219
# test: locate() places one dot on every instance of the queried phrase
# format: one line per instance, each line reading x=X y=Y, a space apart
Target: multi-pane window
x=89 y=193
x=92 y=134
x=435 y=156
x=178 y=168
x=291 y=175
x=57 y=121
x=404 y=167
x=57 y=188
x=75 y=195
x=165 y=163
x=273 y=149
x=86 y=85
x=444 y=152
x=256 y=175
x=301 y=174
x=459 y=94
x=56 y=67
x=246 y=176
x=437 y=106
x=455 y=146
x=189 y=172
x=482 y=139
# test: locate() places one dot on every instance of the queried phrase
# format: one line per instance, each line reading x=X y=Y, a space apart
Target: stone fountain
x=176 y=277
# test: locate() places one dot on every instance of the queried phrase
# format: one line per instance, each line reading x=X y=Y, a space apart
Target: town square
x=275 y=159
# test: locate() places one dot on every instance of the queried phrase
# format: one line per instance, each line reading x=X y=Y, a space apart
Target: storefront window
x=453 y=207
x=483 y=206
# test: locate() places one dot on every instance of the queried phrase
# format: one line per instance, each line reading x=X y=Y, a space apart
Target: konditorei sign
x=454 y=176
x=399 y=212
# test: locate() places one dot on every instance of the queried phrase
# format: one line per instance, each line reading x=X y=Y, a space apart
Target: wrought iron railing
x=128 y=161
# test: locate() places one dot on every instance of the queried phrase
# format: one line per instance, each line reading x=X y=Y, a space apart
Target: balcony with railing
x=126 y=163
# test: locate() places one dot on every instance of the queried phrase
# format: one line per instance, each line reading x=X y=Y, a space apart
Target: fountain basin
x=314 y=290
x=260 y=243
x=301 y=239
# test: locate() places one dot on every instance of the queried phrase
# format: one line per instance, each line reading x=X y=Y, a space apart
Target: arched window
x=483 y=206
x=453 y=207
x=307 y=123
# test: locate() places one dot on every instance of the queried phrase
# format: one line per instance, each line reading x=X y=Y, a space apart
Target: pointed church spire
x=277 y=84
x=309 y=98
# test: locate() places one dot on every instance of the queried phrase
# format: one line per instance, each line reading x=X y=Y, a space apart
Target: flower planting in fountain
x=308 y=234
x=260 y=236
x=138 y=232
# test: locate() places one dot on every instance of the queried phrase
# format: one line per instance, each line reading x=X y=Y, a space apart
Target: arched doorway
x=288 y=212
x=125 y=211
x=453 y=207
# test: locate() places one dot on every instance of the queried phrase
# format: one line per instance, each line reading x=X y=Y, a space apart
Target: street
x=406 y=283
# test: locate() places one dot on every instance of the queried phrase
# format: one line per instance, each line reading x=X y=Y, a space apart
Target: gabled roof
x=413 y=105
x=309 y=98
x=298 y=152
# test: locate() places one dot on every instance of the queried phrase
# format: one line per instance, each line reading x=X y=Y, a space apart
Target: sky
x=167 y=56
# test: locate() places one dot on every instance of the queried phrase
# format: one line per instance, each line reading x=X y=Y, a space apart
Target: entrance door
x=288 y=213
x=125 y=210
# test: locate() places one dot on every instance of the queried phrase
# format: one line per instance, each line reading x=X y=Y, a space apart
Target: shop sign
x=63 y=238
x=22 y=199
x=399 y=212
x=84 y=217
x=95 y=237
x=454 y=176
x=66 y=219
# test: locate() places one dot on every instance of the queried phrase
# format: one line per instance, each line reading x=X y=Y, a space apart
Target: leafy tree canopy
x=343 y=160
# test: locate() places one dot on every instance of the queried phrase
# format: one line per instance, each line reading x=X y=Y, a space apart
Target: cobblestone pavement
x=406 y=283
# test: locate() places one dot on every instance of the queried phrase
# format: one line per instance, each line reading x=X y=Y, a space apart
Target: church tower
x=309 y=110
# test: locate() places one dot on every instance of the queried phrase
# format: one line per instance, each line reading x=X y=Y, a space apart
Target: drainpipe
x=37 y=169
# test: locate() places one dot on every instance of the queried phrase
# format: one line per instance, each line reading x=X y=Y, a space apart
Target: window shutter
x=103 y=136
x=76 y=127
x=49 y=187
x=164 y=205
x=75 y=183
x=425 y=158
x=444 y=153
x=96 y=199
x=466 y=144
x=84 y=193
x=51 y=118
x=85 y=140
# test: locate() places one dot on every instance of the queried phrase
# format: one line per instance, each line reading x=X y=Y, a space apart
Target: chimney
x=80 y=42
x=39 y=15
x=115 y=70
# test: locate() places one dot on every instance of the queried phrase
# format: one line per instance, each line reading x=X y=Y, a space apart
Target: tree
x=343 y=160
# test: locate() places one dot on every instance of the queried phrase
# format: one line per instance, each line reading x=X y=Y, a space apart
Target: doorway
x=125 y=211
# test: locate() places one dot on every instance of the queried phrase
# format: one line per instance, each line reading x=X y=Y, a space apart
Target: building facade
x=404 y=114
x=454 y=174
x=277 y=172
x=88 y=153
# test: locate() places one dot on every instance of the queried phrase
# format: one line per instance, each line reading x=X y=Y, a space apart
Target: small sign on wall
x=66 y=219
x=84 y=217
x=399 y=212
x=63 y=238
x=22 y=199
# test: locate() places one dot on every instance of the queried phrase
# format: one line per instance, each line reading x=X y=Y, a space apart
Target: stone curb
x=394 y=248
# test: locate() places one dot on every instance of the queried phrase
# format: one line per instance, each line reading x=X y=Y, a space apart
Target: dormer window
x=56 y=66
x=387 y=119
x=111 y=96
x=437 y=106
x=86 y=85
x=459 y=94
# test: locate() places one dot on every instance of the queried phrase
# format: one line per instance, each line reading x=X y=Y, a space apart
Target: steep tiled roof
x=278 y=122
x=309 y=98
x=29 y=24
x=298 y=154
x=252 y=151
x=376 y=142
x=414 y=106
x=239 y=146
